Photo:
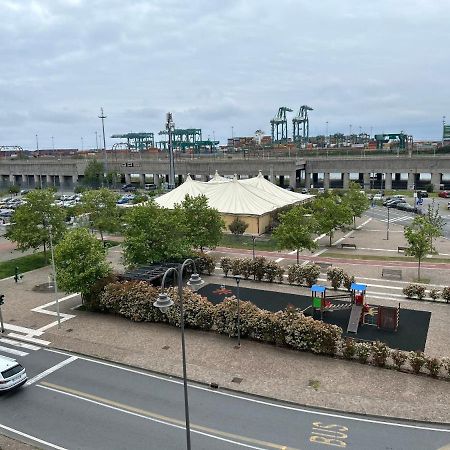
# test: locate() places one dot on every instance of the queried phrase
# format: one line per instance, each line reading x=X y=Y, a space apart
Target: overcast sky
x=217 y=64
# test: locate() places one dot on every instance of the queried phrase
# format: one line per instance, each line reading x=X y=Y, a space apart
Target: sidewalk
x=265 y=370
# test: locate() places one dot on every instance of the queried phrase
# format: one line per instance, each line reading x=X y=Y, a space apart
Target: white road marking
x=19 y=344
x=278 y=260
x=12 y=351
x=51 y=370
x=23 y=330
x=29 y=338
x=149 y=418
x=267 y=403
x=319 y=237
x=31 y=438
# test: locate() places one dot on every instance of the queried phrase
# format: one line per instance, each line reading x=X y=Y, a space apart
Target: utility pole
x=443 y=129
x=37 y=144
x=326 y=133
x=82 y=144
x=103 y=117
x=53 y=144
x=170 y=127
x=96 y=141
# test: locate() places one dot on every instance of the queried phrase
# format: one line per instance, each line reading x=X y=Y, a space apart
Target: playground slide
x=355 y=316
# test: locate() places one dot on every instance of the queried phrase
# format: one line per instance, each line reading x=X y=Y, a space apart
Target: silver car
x=12 y=374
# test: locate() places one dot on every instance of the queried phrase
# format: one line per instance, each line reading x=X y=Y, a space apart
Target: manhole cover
x=236 y=380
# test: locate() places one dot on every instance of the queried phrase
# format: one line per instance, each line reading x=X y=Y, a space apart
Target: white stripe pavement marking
x=31 y=438
x=58 y=366
x=41 y=309
x=29 y=338
x=19 y=344
x=278 y=260
x=149 y=418
x=12 y=351
x=364 y=223
x=319 y=237
x=23 y=330
x=253 y=400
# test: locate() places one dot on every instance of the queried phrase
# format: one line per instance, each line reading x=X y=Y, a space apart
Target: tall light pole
x=96 y=141
x=350 y=134
x=164 y=302
x=387 y=228
x=82 y=144
x=443 y=129
x=37 y=144
x=103 y=117
x=238 y=279
x=170 y=127
x=53 y=143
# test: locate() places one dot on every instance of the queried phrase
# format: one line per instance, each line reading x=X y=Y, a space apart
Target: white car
x=377 y=197
x=12 y=374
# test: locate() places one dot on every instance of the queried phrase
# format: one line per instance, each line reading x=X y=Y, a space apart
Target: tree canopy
x=104 y=215
x=356 y=200
x=94 y=174
x=31 y=221
x=295 y=231
x=80 y=261
x=154 y=234
x=204 y=225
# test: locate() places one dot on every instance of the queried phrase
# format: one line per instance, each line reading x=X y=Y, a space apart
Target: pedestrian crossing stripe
x=21 y=345
x=12 y=351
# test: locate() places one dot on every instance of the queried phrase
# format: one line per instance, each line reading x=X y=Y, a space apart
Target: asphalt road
x=72 y=402
x=405 y=218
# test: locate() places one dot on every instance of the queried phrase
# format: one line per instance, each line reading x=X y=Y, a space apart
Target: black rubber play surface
x=411 y=334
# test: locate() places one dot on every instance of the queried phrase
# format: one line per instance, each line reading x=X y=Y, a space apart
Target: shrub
x=271 y=271
x=433 y=365
x=446 y=294
x=335 y=275
x=362 y=351
x=399 y=358
x=238 y=226
x=205 y=263
x=293 y=273
x=347 y=281
x=266 y=327
x=434 y=294
x=225 y=265
x=348 y=348
x=414 y=290
x=259 y=267
x=280 y=274
x=91 y=300
x=236 y=265
x=416 y=361
x=380 y=353
x=446 y=365
x=246 y=267
x=311 y=273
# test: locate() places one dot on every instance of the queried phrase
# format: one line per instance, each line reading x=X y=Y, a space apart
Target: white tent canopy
x=252 y=197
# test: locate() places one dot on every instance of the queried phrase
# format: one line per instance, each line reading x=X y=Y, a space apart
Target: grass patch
x=232 y=241
x=383 y=258
x=24 y=263
x=315 y=384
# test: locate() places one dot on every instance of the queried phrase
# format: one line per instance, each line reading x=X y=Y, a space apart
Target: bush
x=414 y=290
x=446 y=294
x=225 y=265
x=246 y=266
x=416 y=361
x=271 y=271
x=362 y=351
x=238 y=226
x=380 y=353
x=347 y=281
x=336 y=276
x=293 y=273
x=348 y=348
x=259 y=267
x=280 y=274
x=266 y=327
x=433 y=365
x=236 y=267
x=434 y=294
x=205 y=263
x=399 y=358
x=92 y=300
x=311 y=273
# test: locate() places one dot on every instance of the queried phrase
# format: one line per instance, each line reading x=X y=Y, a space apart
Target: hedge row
x=418 y=291
x=134 y=300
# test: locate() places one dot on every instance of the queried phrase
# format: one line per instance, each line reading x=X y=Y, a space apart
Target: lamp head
x=195 y=281
x=164 y=302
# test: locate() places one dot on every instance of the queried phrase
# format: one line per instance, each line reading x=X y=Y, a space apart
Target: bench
x=391 y=273
x=401 y=249
x=348 y=246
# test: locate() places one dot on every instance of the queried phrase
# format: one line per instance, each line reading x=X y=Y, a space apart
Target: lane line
x=12 y=351
x=159 y=418
x=253 y=400
x=31 y=438
x=20 y=344
x=51 y=370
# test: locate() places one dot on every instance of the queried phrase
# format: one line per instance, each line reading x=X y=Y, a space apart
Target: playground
x=400 y=328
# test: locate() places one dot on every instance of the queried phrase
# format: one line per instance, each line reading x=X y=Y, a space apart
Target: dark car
x=393 y=202
x=422 y=194
x=128 y=187
x=404 y=207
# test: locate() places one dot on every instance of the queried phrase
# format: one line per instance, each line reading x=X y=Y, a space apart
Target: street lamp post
x=253 y=242
x=164 y=302
x=238 y=279
x=49 y=227
x=103 y=117
x=387 y=224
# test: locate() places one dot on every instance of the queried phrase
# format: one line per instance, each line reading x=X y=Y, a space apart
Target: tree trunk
x=297 y=256
x=331 y=236
x=418 y=272
x=45 y=253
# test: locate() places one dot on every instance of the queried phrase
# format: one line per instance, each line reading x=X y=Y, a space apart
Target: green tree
x=102 y=208
x=330 y=214
x=356 y=200
x=238 y=226
x=204 y=224
x=417 y=236
x=94 y=174
x=80 y=261
x=154 y=234
x=31 y=221
x=435 y=221
x=295 y=230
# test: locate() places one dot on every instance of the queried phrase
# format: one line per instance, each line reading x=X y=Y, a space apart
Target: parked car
x=128 y=187
x=289 y=188
x=444 y=194
x=12 y=374
x=150 y=187
x=448 y=205
x=422 y=194
x=393 y=201
x=321 y=191
x=404 y=207
x=305 y=191
x=378 y=197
